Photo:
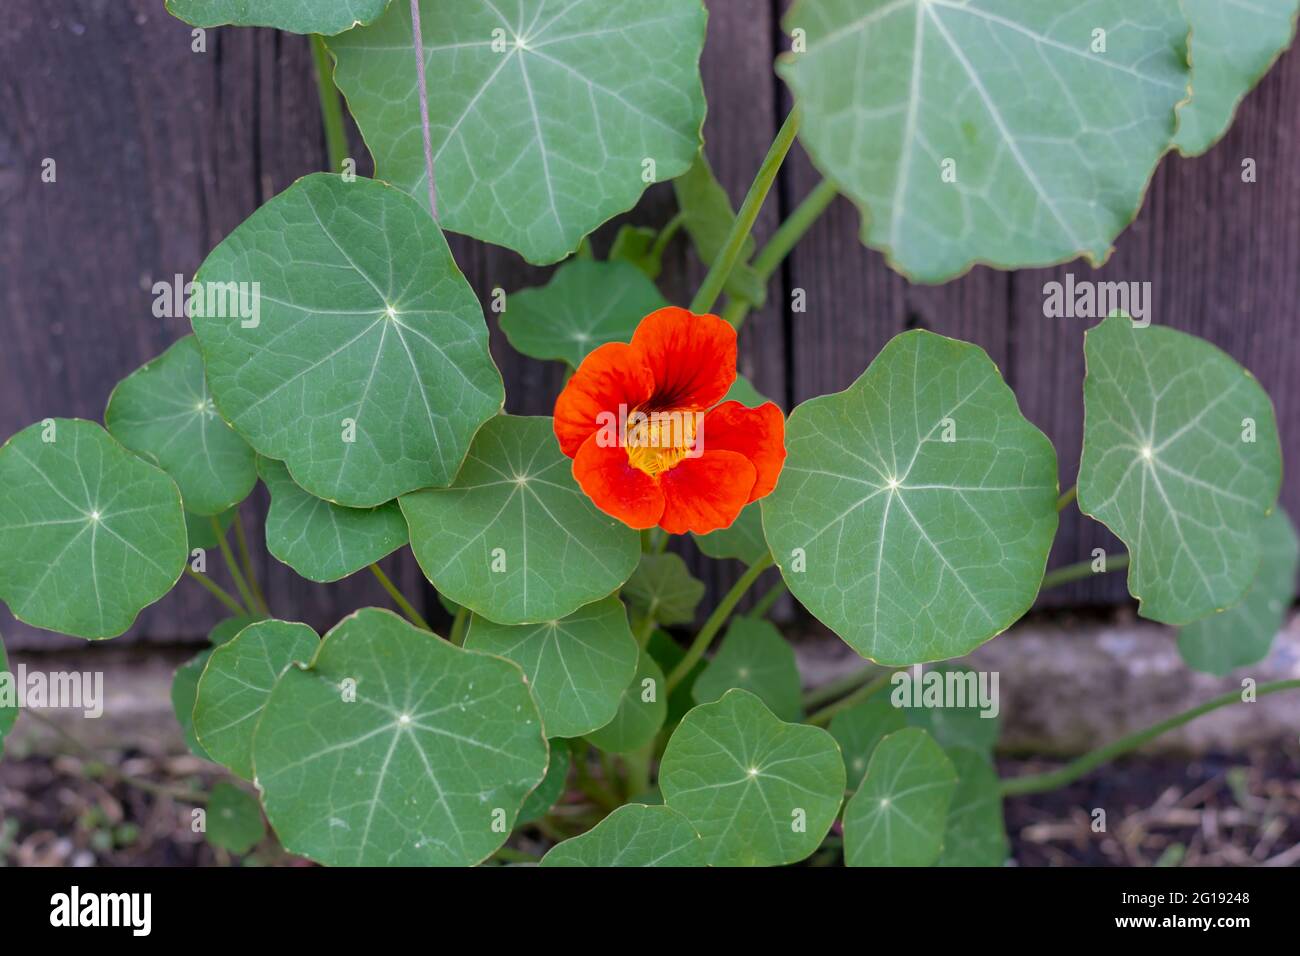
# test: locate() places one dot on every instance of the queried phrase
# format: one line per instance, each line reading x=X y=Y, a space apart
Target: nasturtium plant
x=320 y=540
x=236 y=682
x=633 y=835
x=393 y=747
x=897 y=816
x=163 y=413
x=546 y=117
x=588 y=705
x=1243 y=633
x=1181 y=459
x=1011 y=132
x=340 y=338
x=586 y=304
x=917 y=507
x=89 y=534
x=294 y=16
x=513 y=538
x=1233 y=43
x=576 y=667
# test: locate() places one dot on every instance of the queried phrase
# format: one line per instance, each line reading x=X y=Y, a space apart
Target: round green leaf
x=364 y=366
x=633 y=835
x=760 y=792
x=1181 y=460
x=514 y=539
x=898 y=815
x=1233 y=44
x=586 y=304
x=543 y=115
x=1243 y=634
x=185 y=687
x=163 y=412
x=858 y=729
x=742 y=540
x=577 y=667
x=89 y=533
x=428 y=765
x=976 y=832
x=640 y=714
x=664 y=588
x=234 y=819
x=755 y=657
x=917 y=507
x=295 y=16
x=236 y=683
x=320 y=540
x=552 y=787
x=988 y=131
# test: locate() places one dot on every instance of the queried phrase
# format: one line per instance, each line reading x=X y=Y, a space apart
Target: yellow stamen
x=658 y=442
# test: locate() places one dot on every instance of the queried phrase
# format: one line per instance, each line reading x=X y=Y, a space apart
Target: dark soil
x=1212 y=811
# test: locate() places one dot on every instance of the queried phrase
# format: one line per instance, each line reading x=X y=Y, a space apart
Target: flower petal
x=706 y=493
x=756 y=433
x=615 y=487
x=692 y=357
x=612 y=375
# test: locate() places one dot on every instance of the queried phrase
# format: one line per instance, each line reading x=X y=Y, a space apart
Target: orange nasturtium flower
x=651 y=445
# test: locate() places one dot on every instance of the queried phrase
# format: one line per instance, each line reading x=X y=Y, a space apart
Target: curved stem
x=399 y=598
x=217 y=591
x=1037 y=783
x=764 y=604
x=331 y=106
x=744 y=221
x=245 y=593
x=823 y=717
x=782 y=242
x=458 y=625
x=241 y=539
x=1066 y=497
x=1075 y=572
x=839 y=687
x=665 y=236
x=715 y=622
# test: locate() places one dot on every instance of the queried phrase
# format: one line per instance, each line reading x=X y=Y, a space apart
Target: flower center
x=657 y=441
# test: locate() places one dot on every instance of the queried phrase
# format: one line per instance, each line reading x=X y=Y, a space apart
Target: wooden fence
x=161 y=151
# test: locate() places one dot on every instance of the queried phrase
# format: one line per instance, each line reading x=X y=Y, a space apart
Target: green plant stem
x=246 y=556
x=784 y=240
x=725 y=261
x=399 y=598
x=1075 y=572
x=823 y=717
x=458 y=625
x=1038 y=783
x=217 y=591
x=638 y=770
x=1067 y=496
x=715 y=622
x=829 y=691
x=764 y=604
x=665 y=236
x=245 y=593
x=331 y=105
